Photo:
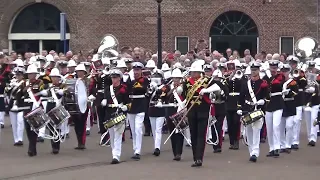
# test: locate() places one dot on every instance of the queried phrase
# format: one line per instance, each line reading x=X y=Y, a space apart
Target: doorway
x=22 y=46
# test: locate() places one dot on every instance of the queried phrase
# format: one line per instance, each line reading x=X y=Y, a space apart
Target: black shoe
x=276 y=153
x=218 y=150
x=146 y=134
x=156 y=152
x=31 y=153
x=136 y=157
x=312 y=143
x=115 y=161
x=263 y=140
x=2 y=126
x=19 y=143
x=197 y=163
x=55 y=151
x=270 y=154
x=236 y=145
x=282 y=150
x=87 y=132
x=222 y=139
x=318 y=134
x=177 y=158
x=231 y=146
x=253 y=158
x=288 y=150
x=80 y=147
x=295 y=147
x=40 y=139
x=67 y=136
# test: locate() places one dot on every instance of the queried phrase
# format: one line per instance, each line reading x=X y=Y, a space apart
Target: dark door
x=22 y=46
x=55 y=45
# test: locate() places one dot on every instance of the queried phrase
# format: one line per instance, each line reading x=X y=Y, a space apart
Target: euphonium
x=296 y=73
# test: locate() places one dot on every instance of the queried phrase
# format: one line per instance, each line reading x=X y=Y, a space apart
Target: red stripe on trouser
x=205 y=141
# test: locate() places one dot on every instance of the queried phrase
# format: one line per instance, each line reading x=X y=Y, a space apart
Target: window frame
x=176 y=41
x=280 y=42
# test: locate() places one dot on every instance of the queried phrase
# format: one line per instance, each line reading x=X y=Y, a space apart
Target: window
x=182 y=44
x=287 y=45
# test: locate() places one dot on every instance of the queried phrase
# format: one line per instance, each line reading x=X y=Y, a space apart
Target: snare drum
x=75 y=100
x=118 y=118
x=252 y=117
x=37 y=119
x=58 y=115
x=176 y=118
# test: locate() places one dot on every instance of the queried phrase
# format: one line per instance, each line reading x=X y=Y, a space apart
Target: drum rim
x=33 y=111
x=84 y=109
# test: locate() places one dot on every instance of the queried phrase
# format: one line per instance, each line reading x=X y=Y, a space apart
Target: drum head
x=82 y=96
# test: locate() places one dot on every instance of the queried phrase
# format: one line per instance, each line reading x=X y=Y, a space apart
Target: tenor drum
x=58 y=115
x=118 y=118
x=75 y=100
x=252 y=117
x=37 y=119
x=176 y=118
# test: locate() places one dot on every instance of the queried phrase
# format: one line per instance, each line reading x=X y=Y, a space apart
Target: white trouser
x=17 y=124
x=310 y=117
x=136 y=124
x=188 y=135
x=252 y=132
x=64 y=128
x=42 y=131
x=88 y=127
x=224 y=127
x=273 y=120
x=156 y=127
x=297 y=125
x=286 y=132
x=116 y=140
x=2 y=113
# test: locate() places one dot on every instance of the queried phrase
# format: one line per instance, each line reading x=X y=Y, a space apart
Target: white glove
x=260 y=102
x=204 y=90
x=104 y=102
x=239 y=112
x=222 y=93
x=286 y=92
x=310 y=90
x=179 y=90
x=44 y=93
x=91 y=98
x=153 y=85
x=124 y=108
x=28 y=101
x=60 y=92
x=159 y=103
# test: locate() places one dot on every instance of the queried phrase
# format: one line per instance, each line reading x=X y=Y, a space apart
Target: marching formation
x=258 y=99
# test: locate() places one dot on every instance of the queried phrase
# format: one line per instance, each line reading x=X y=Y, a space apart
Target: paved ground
x=93 y=163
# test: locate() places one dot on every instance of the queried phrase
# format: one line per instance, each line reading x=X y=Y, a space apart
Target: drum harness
x=114 y=105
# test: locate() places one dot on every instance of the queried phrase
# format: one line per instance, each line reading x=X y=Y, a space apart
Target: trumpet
x=236 y=75
x=296 y=73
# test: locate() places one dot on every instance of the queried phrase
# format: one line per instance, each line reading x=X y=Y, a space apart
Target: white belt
x=276 y=94
x=300 y=90
x=1 y=95
x=249 y=103
x=100 y=90
x=288 y=99
x=113 y=105
x=136 y=96
x=234 y=94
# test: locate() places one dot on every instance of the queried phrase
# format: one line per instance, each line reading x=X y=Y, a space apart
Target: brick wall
x=134 y=24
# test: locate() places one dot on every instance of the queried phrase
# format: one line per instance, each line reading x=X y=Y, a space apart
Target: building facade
x=260 y=25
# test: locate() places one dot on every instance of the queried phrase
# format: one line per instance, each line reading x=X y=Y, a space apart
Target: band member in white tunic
x=15 y=105
x=252 y=97
x=290 y=90
x=137 y=89
x=116 y=99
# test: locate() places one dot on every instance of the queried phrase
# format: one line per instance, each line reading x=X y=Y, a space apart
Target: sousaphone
x=306 y=48
x=108 y=48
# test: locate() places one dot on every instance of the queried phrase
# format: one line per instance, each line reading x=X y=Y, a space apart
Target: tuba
x=108 y=48
x=306 y=48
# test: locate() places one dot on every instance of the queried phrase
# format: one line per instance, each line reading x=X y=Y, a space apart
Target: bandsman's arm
x=294 y=89
x=243 y=91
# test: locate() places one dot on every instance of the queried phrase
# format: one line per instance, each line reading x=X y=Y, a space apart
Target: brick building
x=269 y=25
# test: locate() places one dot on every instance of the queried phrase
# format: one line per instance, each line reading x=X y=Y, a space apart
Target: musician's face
x=81 y=74
x=293 y=65
x=71 y=69
x=208 y=73
x=254 y=72
x=115 y=79
x=55 y=79
x=19 y=76
x=42 y=63
x=137 y=72
x=176 y=80
x=63 y=70
x=195 y=74
x=273 y=70
x=32 y=76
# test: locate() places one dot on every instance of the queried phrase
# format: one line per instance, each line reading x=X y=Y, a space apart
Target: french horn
x=306 y=48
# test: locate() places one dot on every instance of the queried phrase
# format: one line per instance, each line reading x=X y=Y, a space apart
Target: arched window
x=235 y=30
x=37 y=28
x=38 y=18
x=234 y=23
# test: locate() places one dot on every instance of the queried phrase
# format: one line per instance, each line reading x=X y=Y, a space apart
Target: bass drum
x=75 y=100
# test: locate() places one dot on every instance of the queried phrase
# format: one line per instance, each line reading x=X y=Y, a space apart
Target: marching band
x=46 y=97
